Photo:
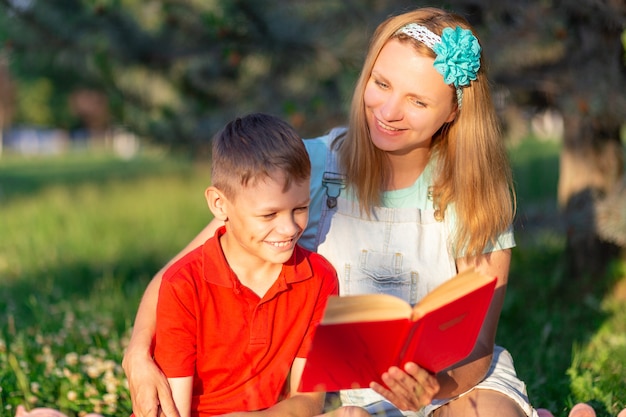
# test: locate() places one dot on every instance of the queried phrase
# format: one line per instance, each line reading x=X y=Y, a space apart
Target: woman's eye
x=381 y=84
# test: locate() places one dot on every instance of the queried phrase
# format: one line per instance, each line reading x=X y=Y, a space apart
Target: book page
x=365 y=307
x=455 y=287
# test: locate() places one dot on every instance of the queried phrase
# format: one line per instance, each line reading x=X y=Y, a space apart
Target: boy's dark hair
x=254 y=147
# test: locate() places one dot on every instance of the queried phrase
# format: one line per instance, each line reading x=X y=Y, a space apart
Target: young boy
x=235 y=316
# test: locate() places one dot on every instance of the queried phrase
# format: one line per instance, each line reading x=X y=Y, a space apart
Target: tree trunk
x=591 y=170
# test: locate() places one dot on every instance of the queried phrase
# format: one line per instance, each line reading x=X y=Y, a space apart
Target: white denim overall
x=399 y=251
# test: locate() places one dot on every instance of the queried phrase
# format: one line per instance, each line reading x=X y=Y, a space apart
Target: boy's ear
x=217 y=203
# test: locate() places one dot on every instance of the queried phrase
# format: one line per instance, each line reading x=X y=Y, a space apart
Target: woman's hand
x=410 y=389
x=149 y=390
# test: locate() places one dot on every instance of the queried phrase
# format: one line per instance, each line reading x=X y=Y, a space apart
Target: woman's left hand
x=408 y=389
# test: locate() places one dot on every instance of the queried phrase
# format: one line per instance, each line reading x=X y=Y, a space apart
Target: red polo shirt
x=238 y=347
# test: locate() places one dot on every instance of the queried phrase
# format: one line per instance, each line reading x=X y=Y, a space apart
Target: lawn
x=82 y=234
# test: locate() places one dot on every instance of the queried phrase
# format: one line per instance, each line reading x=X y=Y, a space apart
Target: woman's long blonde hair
x=473 y=168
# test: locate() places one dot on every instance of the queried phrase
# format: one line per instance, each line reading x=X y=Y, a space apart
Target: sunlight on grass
x=598 y=370
x=77 y=250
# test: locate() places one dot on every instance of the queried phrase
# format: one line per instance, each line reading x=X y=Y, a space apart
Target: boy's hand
x=410 y=389
x=149 y=390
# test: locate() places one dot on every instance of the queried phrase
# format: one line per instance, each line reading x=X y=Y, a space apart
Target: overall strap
x=333 y=182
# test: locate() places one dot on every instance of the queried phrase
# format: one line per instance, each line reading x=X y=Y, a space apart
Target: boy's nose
x=289 y=226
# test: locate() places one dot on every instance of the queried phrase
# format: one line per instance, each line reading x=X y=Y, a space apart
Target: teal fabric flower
x=458 y=56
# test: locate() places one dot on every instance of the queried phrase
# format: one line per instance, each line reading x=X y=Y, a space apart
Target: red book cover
x=361 y=336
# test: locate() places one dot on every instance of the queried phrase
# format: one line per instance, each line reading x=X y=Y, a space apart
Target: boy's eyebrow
x=272 y=208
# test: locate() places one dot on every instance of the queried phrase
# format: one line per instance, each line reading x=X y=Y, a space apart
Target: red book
x=361 y=336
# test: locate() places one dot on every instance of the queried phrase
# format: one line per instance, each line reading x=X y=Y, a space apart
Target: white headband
x=421 y=33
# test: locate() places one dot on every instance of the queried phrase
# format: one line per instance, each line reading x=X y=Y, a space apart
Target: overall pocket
x=381 y=272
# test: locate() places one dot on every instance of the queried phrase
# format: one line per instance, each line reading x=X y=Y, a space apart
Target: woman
x=417 y=188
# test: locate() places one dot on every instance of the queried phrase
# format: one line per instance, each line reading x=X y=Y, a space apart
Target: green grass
x=82 y=234
x=81 y=237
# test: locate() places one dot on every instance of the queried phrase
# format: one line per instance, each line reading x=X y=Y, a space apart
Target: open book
x=361 y=336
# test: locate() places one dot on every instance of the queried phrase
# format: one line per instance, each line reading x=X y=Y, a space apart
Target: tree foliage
x=176 y=70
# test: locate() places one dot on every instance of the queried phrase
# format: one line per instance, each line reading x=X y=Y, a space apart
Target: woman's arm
x=414 y=387
x=149 y=389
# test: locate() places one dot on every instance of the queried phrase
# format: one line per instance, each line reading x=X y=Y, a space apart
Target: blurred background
x=107 y=108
